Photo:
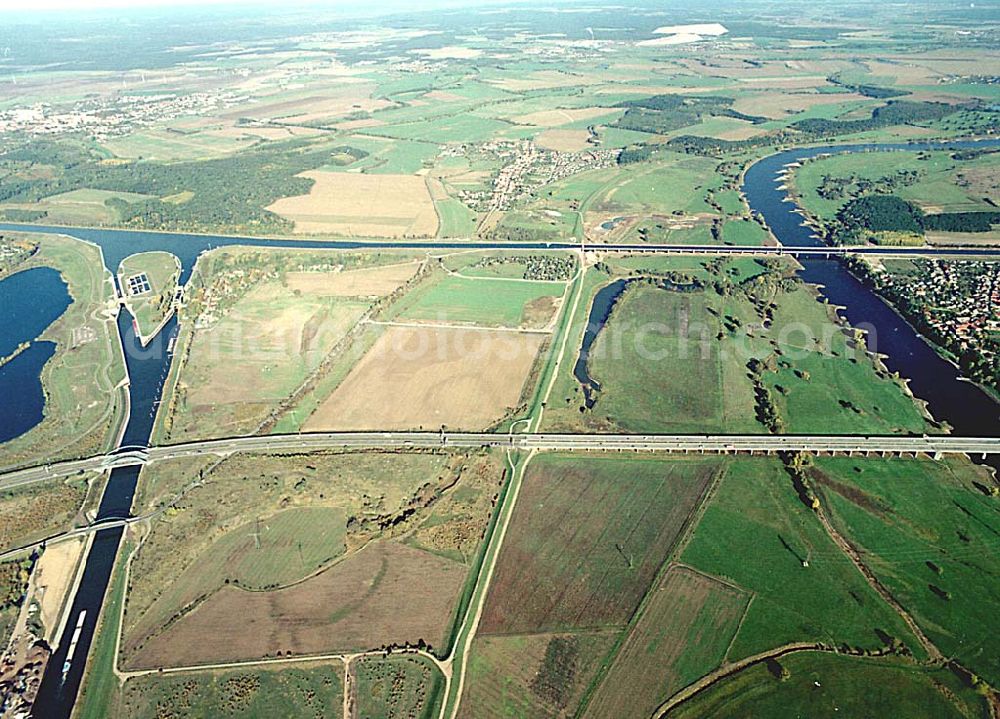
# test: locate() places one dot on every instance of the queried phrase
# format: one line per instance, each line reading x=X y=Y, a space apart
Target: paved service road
x=934 y=445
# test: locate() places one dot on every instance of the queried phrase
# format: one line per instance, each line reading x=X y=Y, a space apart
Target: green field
x=682 y=634
x=825 y=384
x=408 y=687
x=269 y=336
x=450 y=298
x=756 y=533
x=743 y=232
x=936 y=183
x=664 y=377
x=827 y=686
x=85 y=206
x=930 y=532
x=166 y=146
x=462 y=127
x=677 y=361
x=674 y=183
x=729 y=201
x=389 y=157
x=457 y=220
x=280 y=549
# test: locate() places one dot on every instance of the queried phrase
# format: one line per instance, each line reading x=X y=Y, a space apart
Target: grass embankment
x=99 y=691
x=830 y=685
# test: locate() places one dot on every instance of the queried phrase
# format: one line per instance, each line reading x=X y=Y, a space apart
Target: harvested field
x=564 y=140
x=682 y=635
x=386 y=593
x=558 y=117
x=346 y=203
x=964 y=238
x=586 y=540
x=777 y=105
x=425 y=377
x=367 y=282
x=537 y=675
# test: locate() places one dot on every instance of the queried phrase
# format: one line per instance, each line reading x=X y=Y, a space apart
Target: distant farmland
x=362 y=205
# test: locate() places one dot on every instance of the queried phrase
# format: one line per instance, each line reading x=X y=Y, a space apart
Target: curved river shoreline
x=964 y=405
x=949 y=397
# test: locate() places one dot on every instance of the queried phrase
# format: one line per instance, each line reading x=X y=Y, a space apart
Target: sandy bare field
x=346 y=203
x=417 y=377
x=563 y=140
x=53 y=576
x=386 y=593
x=367 y=282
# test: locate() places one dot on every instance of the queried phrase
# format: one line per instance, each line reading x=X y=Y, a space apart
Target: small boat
x=72 y=644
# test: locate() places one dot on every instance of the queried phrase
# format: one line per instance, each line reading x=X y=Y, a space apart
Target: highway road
x=933 y=445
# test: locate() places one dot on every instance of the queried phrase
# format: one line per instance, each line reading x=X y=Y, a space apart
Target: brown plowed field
x=386 y=593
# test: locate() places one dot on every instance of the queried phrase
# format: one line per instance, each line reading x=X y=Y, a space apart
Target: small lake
x=600 y=311
x=31 y=300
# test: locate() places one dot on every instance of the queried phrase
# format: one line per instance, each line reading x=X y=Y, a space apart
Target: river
x=933 y=379
x=950 y=398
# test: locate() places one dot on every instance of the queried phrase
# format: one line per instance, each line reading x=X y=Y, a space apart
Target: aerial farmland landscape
x=493 y=360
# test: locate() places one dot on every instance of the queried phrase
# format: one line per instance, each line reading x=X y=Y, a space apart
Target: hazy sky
x=23 y=6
